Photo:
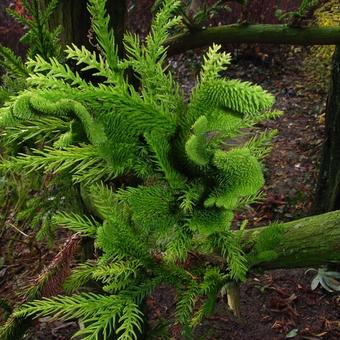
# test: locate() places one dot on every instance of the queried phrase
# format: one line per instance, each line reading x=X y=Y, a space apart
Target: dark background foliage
x=10 y=31
x=141 y=12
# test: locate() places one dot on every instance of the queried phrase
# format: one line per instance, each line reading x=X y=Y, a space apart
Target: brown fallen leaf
x=332 y=324
x=322 y=119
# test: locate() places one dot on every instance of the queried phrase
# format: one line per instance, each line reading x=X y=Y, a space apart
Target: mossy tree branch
x=244 y=33
x=310 y=241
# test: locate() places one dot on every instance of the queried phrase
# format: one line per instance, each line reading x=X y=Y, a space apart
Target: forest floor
x=275 y=305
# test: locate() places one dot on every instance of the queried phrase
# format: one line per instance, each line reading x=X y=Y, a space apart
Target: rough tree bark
x=117 y=10
x=328 y=190
x=244 y=33
x=75 y=20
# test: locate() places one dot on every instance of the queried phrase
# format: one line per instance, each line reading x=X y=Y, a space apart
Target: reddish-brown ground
x=273 y=303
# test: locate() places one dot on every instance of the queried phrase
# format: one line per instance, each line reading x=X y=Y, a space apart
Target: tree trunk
x=73 y=17
x=311 y=241
x=75 y=20
x=117 y=10
x=244 y=33
x=328 y=190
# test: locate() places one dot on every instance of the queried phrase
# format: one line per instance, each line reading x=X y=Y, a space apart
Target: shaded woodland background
x=257 y=11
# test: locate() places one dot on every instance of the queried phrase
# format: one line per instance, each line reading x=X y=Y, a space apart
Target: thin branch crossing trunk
x=245 y=33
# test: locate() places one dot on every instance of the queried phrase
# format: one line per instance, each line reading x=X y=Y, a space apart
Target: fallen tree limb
x=244 y=33
x=310 y=241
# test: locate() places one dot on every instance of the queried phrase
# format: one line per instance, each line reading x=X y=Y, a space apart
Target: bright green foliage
x=14 y=79
x=105 y=38
x=265 y=242
x=234 y=180
x=154 y=171
x=196 y=146
x=11 y=62
x=76 y=223
x=212 y=282
x=102 y=311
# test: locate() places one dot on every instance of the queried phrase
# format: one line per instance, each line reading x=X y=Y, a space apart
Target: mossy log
x=310 y=241
x=246 y=33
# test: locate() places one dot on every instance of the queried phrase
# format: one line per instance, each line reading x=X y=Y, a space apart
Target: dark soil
x=274 y=304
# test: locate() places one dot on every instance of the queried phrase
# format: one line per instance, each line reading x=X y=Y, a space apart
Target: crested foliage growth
x=161 y=176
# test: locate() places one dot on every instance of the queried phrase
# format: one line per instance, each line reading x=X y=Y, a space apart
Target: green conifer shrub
x=161 y=176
